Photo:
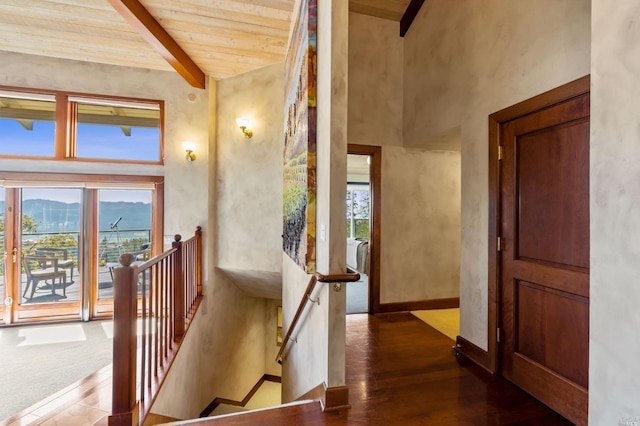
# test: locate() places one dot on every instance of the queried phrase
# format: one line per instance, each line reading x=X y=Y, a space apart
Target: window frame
x=65 y=147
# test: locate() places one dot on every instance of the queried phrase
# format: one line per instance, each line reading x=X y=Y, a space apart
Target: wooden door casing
x=544 y=257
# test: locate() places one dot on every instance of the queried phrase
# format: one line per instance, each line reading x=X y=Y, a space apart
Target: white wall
x=227 y=348
x=420 y=223
x=614 y=394
x=466 y=59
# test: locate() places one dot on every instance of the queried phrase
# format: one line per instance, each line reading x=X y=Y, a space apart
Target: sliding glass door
x=61 y=244
x=124 y=226
x=42 y=233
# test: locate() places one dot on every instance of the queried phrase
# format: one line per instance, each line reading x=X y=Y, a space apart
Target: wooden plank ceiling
x=223 y=37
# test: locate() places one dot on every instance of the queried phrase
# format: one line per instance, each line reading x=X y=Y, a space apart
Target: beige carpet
x=446 y=321
x=38 y=360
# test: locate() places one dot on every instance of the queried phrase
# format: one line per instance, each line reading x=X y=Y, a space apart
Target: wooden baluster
x=198 y=261
x=124 y=410
x=178 y=291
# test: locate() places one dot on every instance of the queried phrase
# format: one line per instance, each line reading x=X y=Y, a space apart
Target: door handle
x=14 y=258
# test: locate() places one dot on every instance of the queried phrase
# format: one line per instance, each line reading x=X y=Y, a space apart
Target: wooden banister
x=162 y=294
x=315 y=278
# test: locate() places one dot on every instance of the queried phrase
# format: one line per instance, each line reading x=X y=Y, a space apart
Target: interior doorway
x=363 y=227
x=358 y=213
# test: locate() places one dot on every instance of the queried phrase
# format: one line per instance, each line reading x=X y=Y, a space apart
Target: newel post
x=124 y=411
x=178 y=290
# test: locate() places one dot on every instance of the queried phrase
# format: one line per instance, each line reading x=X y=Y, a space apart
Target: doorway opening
x=358 y=214
x=363 y=227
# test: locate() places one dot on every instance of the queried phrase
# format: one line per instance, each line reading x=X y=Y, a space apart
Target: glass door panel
x=49 y=282
x=124 y=226
x=3 y=293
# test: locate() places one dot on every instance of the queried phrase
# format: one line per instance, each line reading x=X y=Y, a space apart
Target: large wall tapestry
x=299 y=227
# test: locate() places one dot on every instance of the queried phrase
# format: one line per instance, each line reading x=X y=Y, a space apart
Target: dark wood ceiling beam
x=409 y=15
x=151 y=30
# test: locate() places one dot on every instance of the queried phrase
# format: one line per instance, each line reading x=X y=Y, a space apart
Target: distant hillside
x=55 y=216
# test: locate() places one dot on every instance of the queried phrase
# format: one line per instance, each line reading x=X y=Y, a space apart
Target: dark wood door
x=544 y=255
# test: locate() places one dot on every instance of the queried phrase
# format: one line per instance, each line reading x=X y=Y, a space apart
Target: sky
x=94 y=141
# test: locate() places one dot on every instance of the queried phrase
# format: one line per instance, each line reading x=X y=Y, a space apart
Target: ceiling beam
x=409 y=15
x=151 y=30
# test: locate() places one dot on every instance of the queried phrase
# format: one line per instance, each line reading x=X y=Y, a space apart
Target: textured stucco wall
x=420 y=223
x=375 y=81
x=420 y=253
x=614 y=392
x=466 y=59
x=228 y=347
x=249 y=171
x=319 y=355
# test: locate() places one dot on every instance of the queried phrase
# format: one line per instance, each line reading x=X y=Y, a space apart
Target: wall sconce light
x=189 y=148
x=243 y=123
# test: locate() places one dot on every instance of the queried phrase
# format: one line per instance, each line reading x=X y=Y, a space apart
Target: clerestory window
x=64 y=126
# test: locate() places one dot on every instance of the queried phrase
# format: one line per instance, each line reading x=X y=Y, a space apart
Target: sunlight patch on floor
x=107 y=327
x=49 y=335
x=446 y=321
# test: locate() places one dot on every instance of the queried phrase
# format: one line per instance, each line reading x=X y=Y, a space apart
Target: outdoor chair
x=62 y=254
x=42 y=268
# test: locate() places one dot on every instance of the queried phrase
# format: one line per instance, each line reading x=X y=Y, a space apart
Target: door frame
x=555 y=96
x=89 y=227
x=375 y=185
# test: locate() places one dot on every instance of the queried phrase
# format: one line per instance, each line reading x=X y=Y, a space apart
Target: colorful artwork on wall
x=299 y=222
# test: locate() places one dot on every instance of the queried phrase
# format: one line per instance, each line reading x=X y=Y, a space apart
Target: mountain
x=56 y=216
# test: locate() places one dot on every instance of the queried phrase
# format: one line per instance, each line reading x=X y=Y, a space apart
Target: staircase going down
x=299 y=412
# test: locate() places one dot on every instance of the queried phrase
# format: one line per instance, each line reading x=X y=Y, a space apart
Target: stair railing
x=306 y=298
x=154 y=303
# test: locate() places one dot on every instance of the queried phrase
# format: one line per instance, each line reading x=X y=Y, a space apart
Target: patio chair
x=42 y=268
x=62 y=254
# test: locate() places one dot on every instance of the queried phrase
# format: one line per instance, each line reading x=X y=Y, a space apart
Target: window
x=27 y=124
x=61 y=126
x=124 y=132
x=358 y=211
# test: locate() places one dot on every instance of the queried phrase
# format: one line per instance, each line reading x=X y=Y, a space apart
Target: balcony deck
x=72 y=288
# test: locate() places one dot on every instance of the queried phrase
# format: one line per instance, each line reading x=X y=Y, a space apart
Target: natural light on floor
x=47 y=335
x=107 y=326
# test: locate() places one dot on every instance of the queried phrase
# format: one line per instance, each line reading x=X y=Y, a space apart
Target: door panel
x=550 y=324
x=3 y=289
x=49 y=280
x=565 y=240
x=544 y=269
x=124 y=219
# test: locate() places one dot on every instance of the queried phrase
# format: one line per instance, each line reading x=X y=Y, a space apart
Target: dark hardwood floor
x=400 y=371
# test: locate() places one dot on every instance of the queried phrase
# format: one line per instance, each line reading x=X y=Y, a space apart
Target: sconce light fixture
x=189 y=147
x=243 y=123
